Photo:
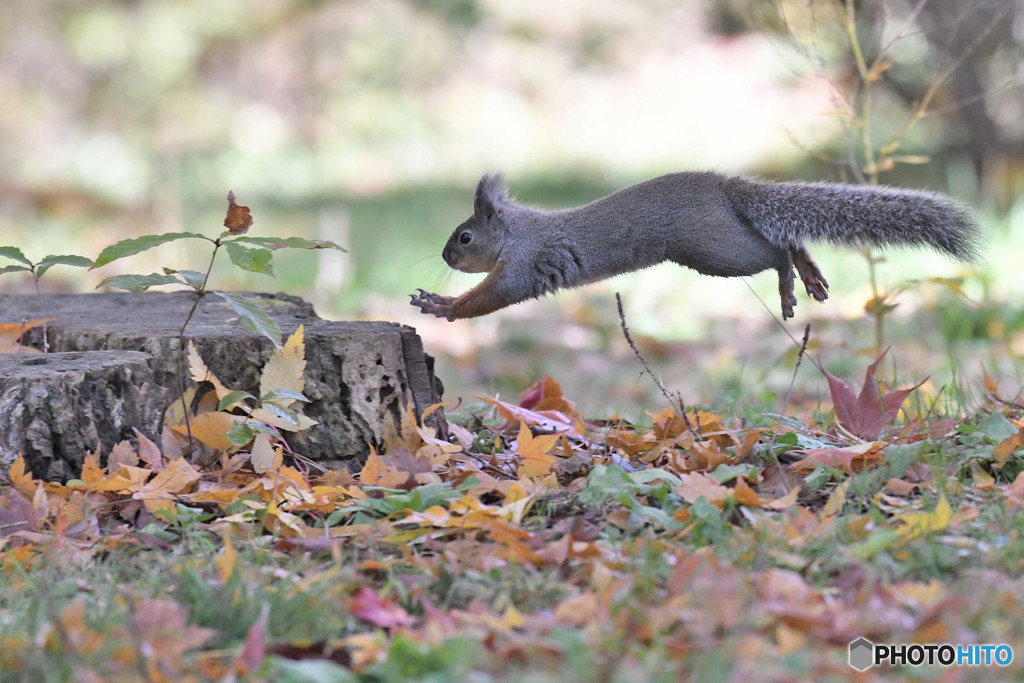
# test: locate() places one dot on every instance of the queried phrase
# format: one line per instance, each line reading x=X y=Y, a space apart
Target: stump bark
x=356 y=372
x=56 y=407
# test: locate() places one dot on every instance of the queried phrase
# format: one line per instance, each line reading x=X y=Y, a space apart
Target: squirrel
x=715 y=224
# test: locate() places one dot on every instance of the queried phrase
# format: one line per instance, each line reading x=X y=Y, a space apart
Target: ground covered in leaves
x=524 y=541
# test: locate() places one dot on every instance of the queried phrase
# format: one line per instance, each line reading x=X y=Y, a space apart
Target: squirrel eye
x=465 y=238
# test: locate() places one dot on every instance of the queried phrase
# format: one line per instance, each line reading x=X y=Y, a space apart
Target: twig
x=677 y=401
x=796 y=368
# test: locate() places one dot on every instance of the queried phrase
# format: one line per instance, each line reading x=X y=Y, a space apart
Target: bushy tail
x=856 y=215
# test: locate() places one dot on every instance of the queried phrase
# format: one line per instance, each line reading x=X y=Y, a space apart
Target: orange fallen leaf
x=1005 y=448
x=850 y=460
x=159 y=493
x=533 y=453
x=898 y=487
x=698 y=484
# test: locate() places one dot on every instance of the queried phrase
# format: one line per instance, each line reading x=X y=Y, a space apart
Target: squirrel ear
x=490 y=192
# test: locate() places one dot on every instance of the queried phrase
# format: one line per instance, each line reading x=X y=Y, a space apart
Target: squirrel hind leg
x=786 y=291
x=814 y=281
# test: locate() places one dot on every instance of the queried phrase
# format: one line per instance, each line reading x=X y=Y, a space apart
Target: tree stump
x=356 y=372
x=56 y=407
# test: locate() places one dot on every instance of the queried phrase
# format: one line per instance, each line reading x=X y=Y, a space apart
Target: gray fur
x=856 y=215
x=714 y=224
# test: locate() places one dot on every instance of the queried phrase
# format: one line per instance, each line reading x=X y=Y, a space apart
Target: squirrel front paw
x=433 y=304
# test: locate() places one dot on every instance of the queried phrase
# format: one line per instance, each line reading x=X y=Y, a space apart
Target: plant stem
x=871 y=169
x=182 y=366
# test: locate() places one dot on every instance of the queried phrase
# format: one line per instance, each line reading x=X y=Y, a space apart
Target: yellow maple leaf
x=159 y=493
x=533 y=452
x=917 y=524
x=21 y=479
x=95 y=478
x=373 y=469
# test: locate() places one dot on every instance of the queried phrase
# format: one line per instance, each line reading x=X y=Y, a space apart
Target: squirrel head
x=476 y=244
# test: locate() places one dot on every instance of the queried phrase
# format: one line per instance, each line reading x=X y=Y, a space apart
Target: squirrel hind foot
x=814 y=281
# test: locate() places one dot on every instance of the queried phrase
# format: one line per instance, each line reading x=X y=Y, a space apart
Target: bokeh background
x=368 y=122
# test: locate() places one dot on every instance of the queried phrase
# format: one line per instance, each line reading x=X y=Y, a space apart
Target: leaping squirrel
x=714 y=224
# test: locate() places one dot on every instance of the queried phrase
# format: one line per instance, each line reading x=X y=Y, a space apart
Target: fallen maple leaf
x=533 y=453
x=20 y=478
x=850 y=460
x=917 y=524
x=865 y=415
x=159 y=493
x=369 y=606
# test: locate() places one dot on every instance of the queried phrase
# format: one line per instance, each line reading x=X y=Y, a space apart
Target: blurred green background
x=368 y=122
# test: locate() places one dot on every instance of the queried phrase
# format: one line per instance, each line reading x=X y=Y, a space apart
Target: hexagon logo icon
x=862 y=654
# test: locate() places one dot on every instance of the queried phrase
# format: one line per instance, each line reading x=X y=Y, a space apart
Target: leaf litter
x=533 y=538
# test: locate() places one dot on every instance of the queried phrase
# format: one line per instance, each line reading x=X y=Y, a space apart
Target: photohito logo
x=865 y=654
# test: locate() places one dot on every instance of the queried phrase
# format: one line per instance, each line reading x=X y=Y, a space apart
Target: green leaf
x=251 y=259
x=139 y=283
x=136 y=245
x=15 y=254
x=14 y=269
x=283 y=396
x=193 y=278
x=253 y=317
x=726 y=473
x=62 y=260
x=240 y=434
x=287 y=243
x=232 y=398
x=997 y=427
